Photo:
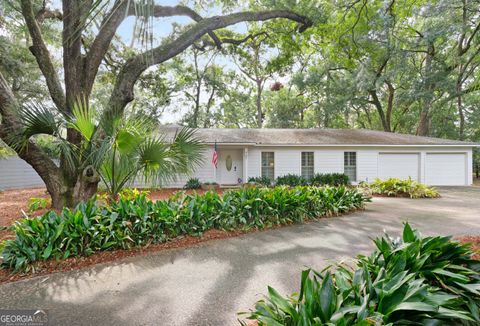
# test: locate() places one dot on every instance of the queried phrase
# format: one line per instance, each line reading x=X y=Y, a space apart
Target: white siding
x=367 y=165
x=15 y=173
x=254 y=163
x=288 y=161
x=205 y=172
x=328 y=161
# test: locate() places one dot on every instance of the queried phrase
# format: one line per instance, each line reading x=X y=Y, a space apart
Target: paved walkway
x=209 y=284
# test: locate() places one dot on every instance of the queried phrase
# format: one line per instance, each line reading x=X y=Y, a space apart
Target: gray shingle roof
x=314 y=137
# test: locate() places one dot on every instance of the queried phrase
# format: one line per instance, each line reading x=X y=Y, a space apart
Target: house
x=361 y=154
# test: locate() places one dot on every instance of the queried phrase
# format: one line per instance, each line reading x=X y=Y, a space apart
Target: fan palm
x=116 y=150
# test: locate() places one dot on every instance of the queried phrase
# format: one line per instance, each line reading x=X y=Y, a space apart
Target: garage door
x=398 y=165
x=445 y=169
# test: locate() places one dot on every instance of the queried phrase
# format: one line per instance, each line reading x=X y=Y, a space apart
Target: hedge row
x=139 y=221
x=294 y=180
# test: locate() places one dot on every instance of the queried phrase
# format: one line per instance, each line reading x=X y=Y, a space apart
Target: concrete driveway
x=209 y=284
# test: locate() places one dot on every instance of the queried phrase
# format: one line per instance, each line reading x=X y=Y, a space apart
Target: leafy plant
x=193 y=183
x=413 y=281
x=132 y=193
x=397 y=187
x=262 y=181
x=34 y=204
x=292 y=180
x=137 y=221
x=331 y=179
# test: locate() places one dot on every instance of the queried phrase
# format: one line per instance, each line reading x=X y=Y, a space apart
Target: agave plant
x=116 y=150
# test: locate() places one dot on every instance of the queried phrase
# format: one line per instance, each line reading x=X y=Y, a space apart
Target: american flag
x=215 y=155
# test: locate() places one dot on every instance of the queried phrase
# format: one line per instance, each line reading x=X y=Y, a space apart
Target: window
x=307 y=165
x=268 y=165
x=350 y=165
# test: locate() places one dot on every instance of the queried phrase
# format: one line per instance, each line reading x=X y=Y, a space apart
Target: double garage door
x=440 y=168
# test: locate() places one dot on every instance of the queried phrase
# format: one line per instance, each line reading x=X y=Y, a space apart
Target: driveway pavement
x=209 y=284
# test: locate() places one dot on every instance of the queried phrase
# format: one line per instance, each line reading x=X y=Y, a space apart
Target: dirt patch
x=474 y=242
x=12 y=203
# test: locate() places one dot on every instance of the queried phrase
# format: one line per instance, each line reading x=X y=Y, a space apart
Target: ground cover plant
x=410 y=281
x=395 y=187
x=37 y=203
x=293 y=180
x=138 y=221
x=262 y=181
x=193 y=183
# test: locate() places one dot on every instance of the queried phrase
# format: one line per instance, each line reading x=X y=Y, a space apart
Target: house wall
x=330 y=159
x=15 y=173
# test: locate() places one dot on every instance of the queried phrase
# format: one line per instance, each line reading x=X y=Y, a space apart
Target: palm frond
x=39 y=119
x=187 y=150
x=83 y=119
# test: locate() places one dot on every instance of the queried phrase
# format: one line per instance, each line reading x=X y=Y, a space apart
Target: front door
x=231 y=165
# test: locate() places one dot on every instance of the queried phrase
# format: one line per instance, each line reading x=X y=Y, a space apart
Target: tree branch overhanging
x=112 y=21
x=134 y=67
x=42 y=55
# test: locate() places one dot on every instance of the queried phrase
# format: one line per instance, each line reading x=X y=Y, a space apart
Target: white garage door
x=398 y=165
x=445 y=169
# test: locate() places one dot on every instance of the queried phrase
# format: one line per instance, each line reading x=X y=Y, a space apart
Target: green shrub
x=291 y=180
x=138 y=221
x=193 y=183
x=331 y=179
x=34 y=204
x=397 y=187
x=414 y=281
x=262 y=181
x=132 y=193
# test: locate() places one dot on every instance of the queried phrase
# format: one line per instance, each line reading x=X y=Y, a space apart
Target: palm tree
x=116 y=150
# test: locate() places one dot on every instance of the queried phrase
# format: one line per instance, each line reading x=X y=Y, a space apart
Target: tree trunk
x=381 y=114
x=461 y=113
x=424 y=123
x=259 y=103
x=391 y=96
x=423 y=127
x=68 y=186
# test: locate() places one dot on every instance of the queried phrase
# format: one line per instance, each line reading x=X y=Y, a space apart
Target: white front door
x=230 y=164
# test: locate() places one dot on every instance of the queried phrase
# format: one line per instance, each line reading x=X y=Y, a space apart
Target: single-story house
x=363 y=155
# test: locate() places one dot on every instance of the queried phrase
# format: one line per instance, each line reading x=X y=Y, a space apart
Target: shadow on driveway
x=210 y=283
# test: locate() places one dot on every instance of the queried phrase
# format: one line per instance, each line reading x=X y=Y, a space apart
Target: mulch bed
x=13 y=202
x=75 y=263
x=474 y=242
